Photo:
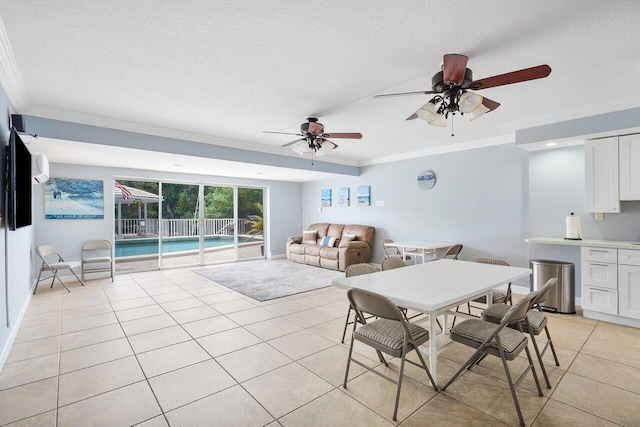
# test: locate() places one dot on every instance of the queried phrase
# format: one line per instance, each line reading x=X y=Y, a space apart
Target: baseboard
x=278 y=256
x=14 y=332
x=611 y=318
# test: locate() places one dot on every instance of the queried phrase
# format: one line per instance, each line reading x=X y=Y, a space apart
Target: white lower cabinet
x=611 y=281
x=629 y=288
x=602 y=300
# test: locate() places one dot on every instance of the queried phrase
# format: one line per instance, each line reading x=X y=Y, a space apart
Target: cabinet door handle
x=597 y=251
x=600 y=265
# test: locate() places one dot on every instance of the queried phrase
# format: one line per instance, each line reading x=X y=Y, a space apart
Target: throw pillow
x=346 y=238
x=328 y=241
x=309 y=237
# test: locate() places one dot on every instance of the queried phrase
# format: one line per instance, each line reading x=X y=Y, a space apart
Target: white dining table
x=434 y=288
x=408 y=247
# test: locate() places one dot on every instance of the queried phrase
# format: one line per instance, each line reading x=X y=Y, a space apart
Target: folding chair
x=355 y=270
x=500 y=341
x=390 y=334
x=536 y=323
x=97 y=252
x=45 y=251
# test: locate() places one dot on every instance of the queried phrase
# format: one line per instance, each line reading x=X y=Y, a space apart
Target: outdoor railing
x=180 y=227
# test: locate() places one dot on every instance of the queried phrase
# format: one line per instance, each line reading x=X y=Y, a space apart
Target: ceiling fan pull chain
x=452 y=135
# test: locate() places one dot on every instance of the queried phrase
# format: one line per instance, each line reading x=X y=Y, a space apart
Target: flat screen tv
x=18 y=182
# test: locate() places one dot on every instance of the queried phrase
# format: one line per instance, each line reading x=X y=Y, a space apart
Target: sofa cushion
x=329 y=253
x=321 y=227
x=297 y=249
x=335 y=230
x=309 y=237
x=312 y=250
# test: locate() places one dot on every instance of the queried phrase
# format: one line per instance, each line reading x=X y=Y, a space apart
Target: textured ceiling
x=231 y=69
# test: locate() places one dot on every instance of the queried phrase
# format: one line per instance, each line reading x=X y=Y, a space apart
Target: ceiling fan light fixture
x=469 y=101
x=428 y=111
x=322 y=150
x=481 y=110
x=439 y=121
x=302 y=148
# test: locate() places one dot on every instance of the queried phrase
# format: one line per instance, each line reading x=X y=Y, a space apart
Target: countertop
x=585 y=242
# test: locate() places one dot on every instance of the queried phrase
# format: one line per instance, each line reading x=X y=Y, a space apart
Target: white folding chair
x=48 y=251
x=95 y=255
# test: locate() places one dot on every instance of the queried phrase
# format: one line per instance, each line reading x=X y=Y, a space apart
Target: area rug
x=265 y=280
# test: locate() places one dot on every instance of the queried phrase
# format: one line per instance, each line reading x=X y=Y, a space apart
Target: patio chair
x=97 y=252
x=355 y=270
x=500 y=341
x=536 y=323
x=47 y=252
x=390 y=334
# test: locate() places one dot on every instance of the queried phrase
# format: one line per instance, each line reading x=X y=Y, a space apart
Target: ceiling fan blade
x=388 y=95
x=315 y=128
x=453 y=68
x=283 y=133
x=524 y=75
x=411 y=117
x=347 y=135
x=490 y=104
x=288 y=144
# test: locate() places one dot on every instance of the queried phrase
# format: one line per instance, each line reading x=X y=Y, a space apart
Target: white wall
x=284 y=207
x=479 y=200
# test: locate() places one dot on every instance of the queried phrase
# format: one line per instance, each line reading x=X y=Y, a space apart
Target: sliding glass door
x=137 y=225
x=250 y=223
x=180 y=231
x=219 y=224
x=166 y=225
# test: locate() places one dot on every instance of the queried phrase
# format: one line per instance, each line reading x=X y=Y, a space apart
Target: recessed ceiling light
x=552 y=144
x=177 y=164
x=259 y=173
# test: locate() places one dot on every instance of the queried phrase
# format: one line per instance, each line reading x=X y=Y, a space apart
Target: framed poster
x=343 y=196
x=325 y=197
x=73 y=199
x=364 y=196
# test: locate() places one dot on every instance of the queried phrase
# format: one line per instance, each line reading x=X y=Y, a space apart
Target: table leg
x=433 y=350
x=489 y=298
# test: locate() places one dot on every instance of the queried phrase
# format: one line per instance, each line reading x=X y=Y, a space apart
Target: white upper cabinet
x=601 y=175
x=629 y=167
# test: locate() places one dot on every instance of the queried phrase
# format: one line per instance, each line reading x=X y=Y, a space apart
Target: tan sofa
x=338 y=257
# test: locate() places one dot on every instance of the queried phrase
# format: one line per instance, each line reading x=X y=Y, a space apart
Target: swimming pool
x=137 y=247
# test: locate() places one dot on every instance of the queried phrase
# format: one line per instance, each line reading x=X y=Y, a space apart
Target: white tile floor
x=172 y=348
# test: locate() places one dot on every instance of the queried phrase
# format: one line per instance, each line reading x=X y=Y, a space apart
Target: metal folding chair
x=390 y=334
x=500 y=341
x=48 y=251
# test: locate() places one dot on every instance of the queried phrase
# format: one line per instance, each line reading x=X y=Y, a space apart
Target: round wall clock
x=426 y=180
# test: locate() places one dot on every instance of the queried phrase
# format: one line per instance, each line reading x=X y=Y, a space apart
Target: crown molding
x=10 y=73
x=443 y=149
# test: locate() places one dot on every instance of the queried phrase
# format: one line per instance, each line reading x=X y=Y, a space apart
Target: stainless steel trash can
x=562 y=298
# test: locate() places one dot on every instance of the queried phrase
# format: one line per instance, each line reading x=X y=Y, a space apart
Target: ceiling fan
x=313 y=139
x=453 y=87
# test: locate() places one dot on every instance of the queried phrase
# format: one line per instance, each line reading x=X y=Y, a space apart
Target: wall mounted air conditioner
x=39 y=168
